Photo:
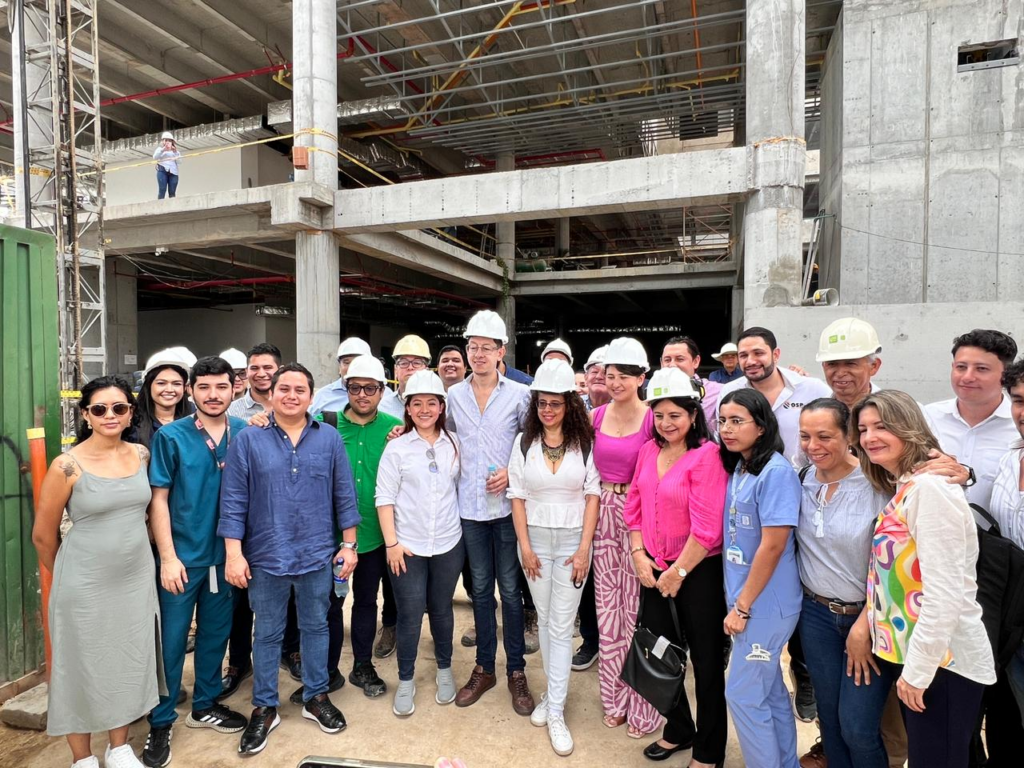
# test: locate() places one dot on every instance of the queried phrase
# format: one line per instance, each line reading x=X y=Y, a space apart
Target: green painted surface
x=29 y=385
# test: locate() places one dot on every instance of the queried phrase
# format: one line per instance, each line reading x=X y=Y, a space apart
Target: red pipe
x=184 y=286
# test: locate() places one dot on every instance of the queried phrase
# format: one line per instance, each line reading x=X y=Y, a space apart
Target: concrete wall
x=916 y=338
x=926 y=177
x=122 y=317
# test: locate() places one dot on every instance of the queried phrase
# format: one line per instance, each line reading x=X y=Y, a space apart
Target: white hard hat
x=186 y=355
x=353 y=345
x=411 y=346
x=670 y=382
x=626 y=351
x=554 y=376
x=235 y=358
x=556 y=346
x=727 y=349
x=166 y=135
x=365 y=367
x=424 y=383
x=848 y=338
x=169 y=356
x=487 y=325
x=596 y=357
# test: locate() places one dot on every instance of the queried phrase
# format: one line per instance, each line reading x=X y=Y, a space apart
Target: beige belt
x=617 y=488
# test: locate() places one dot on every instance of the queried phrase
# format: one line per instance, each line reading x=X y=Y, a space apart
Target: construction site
x=586 y=168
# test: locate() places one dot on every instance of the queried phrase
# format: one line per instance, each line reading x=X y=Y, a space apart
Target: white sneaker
x=539 y=716
x=121 y=757
x=405 y=696
x=445 y=687
x=561 y=739
x=88 y=762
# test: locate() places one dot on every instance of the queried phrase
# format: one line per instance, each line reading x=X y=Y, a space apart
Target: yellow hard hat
x=412 y=346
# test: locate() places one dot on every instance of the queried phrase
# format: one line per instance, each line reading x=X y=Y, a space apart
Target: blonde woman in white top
x=417 y=503
x=555 y=491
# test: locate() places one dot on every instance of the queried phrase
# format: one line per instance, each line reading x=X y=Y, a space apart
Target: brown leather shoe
x=479 y=683
x=815 y=757
x=522 y=699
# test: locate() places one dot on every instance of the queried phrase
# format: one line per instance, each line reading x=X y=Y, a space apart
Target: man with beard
x=451 y=366
x=188 y=457
x=264 y=360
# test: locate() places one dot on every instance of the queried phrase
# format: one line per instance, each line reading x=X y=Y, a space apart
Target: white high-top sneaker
x=561 y=739
x=539 y=716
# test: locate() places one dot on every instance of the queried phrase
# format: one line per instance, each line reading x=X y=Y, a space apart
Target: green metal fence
x=29 y=396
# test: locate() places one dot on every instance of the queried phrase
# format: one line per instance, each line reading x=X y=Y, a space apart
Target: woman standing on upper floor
x=674 y=515
x=924 y=617
x=621 y=427
x=167 y=158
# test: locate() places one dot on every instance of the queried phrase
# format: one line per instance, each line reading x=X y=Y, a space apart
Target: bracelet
x=389 y=546
x=741 y=613
x=634 y=550
x=231 y=559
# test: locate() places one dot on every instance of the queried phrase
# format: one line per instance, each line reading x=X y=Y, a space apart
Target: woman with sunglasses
x=555 y=491
x=923 y=612
x=103 y=606
x=674 y=515
x=163 y=396
x=762 y=585
x=417 y=504
x=838 y=508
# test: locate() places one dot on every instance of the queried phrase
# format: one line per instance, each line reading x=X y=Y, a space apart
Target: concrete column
x=38 y=132
x=505 y=234
x=562 y=245
x=773 y=252
x=122 y=317
x=314 y=108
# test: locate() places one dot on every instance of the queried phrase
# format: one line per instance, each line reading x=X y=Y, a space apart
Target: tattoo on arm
x=68 y=468
x=144 y=454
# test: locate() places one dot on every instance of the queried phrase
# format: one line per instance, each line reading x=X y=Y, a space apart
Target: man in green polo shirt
x=364 y=428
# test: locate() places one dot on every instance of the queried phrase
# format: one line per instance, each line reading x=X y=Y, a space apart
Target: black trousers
x=588 y=614
x=1004 y=735
x=700 y=605
x=366 y=580
x=240 y=647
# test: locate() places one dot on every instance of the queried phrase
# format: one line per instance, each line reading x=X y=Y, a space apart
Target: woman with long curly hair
x=555 y=492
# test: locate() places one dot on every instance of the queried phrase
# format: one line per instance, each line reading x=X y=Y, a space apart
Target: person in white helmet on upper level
x=237 y=360
x=411 y=354
x=167 y=158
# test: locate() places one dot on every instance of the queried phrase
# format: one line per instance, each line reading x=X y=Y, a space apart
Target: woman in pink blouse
x=674 y=514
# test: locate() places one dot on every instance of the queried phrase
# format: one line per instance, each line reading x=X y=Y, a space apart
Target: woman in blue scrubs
x=762 y=583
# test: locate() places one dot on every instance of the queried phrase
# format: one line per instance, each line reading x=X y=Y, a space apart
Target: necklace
x=553 y=454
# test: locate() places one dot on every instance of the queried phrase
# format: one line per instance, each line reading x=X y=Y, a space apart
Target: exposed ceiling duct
x=205 y=136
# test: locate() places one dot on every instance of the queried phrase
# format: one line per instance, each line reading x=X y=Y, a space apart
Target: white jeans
x=556 y=600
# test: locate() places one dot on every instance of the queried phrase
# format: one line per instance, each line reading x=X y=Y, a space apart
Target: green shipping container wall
x=29 y=393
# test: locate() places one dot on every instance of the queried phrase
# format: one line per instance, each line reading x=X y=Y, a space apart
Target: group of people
x=733 y=516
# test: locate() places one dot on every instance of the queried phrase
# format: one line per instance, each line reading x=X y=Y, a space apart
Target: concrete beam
x=658 y=278
x=637 y=184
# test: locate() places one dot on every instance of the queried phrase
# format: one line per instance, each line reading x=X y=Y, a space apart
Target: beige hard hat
x=411 y=346
x=727 y=349
x=669 y=383
x=487 y=325
x=626 y=351
x=554 y=376
x=424 y=383
x=365 y=367
x=848 y=338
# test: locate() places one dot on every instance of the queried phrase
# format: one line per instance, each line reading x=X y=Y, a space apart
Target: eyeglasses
x=550 y=405
x=431 y=456
x=241 y=373
x=733 y=423
x=99 y=410
x=416 y=364
x=486 y=349
x=370 y=389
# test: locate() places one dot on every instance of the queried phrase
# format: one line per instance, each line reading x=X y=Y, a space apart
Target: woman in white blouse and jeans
x=419 y=516
x=555 y=491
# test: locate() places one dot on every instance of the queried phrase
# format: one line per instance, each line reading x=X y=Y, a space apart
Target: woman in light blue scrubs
x=762 y=583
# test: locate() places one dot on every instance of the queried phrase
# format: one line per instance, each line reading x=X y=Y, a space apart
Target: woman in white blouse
x=555 y=491
x=419 y=517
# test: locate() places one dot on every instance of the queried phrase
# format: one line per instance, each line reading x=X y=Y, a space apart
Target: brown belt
x=837 y=606
x=617 y=488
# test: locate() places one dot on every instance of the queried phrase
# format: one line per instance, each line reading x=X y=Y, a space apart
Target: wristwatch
x=681 y=571
x=353 y=545
x=972 y=478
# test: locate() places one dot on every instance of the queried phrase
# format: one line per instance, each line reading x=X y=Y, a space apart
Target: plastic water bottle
x=340 y=584
x=493 y=499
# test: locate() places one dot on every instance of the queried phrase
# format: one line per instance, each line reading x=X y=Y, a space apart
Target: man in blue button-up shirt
x=286 y=487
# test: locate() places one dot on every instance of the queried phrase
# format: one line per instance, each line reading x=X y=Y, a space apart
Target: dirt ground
x=484 y=735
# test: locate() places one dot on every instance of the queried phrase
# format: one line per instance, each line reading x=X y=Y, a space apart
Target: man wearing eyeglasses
x=364 y=429
x=411 y=354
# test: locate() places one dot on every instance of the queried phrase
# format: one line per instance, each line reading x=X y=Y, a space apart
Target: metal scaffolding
x=60 y=178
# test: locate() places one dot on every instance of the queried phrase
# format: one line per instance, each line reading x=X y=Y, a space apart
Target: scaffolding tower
x=59 y=177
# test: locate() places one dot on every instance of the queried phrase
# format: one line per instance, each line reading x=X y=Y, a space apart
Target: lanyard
x=209 y=440
x=734 y=491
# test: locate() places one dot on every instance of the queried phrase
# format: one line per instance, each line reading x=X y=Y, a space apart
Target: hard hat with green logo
x=848 y=338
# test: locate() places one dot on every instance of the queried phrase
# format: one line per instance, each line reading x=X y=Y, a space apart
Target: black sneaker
x=365 y=676
x=584 y=658
x=324 y=713
x=157 y=752
x=218 y=717
x=335 y=682
x=262 y=721
x=293 y=663
x=805 y=706
x=387 y=640
x=233 y=677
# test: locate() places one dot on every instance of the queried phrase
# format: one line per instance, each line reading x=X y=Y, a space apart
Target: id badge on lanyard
x=733 y=553
x=210 y=444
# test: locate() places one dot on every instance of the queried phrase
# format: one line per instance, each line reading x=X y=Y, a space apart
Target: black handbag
x=654 y=667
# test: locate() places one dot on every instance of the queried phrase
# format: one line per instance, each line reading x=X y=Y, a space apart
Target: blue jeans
x=428 y=583
x=850 y=715
x=493 y=553
x=268 y=597
x=166 y=182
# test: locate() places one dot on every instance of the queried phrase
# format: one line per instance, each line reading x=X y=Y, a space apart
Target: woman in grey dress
x=103 y=606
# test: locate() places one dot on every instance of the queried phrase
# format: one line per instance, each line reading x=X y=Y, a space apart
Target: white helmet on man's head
x=626 y=351
x=366 y=367
x=596 y=357
x=555 y=376
x=487 y=325
x=556 y=346
x=848 y=338
x=353 y=345
x=235 y=358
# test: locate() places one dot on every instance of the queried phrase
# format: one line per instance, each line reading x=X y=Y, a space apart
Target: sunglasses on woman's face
x=99 y=410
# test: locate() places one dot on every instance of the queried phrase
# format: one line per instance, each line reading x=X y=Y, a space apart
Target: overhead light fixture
x=268 y=311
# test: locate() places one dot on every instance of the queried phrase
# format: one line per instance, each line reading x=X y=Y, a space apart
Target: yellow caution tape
x=35 y=433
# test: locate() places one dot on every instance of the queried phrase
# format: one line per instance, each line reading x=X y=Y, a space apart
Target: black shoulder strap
x=804 y=471
x=991 y=524
x=330 y=417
